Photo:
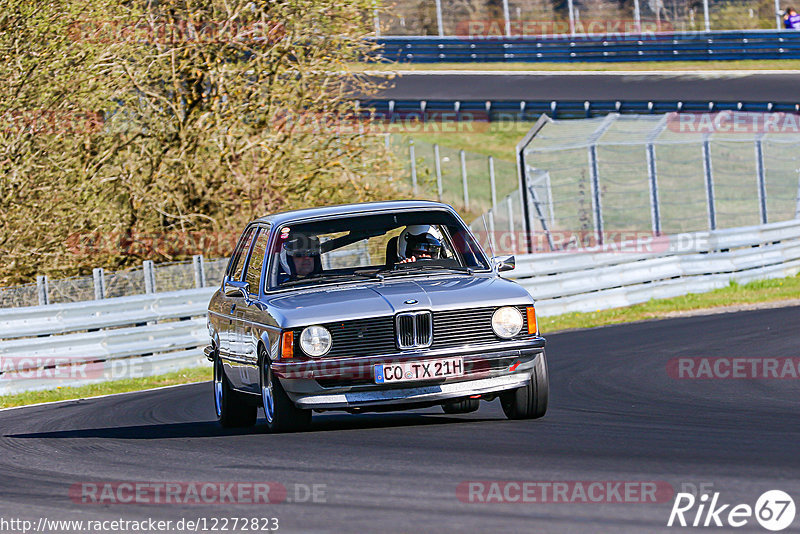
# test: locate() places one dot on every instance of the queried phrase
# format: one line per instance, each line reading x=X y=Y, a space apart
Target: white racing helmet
x=300 y=245
x=420 y=238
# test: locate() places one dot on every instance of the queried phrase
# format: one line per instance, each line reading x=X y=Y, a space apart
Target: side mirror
x=504 y=263
x=237 y=290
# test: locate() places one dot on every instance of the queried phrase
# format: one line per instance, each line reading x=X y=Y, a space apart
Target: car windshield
x=372 y=246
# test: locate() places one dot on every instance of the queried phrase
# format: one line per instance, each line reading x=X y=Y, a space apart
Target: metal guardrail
x=687 y=263
x=499 y=110
x=73 y=344
x=80 y=343
x=691 y=46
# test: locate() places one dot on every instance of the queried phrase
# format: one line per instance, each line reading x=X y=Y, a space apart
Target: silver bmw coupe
x=370 y=307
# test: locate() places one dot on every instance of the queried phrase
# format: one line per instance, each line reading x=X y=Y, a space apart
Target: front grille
x=385 y=335
x=361 y=337
x=467 y=327
x=414 y=330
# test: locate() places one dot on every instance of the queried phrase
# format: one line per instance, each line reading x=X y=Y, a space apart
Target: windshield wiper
x=414 y=267
x=329 y=277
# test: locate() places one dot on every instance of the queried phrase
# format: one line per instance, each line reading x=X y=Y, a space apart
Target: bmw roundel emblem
x=410 y=301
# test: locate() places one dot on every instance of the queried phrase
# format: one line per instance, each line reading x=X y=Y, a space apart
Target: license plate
x=410 y=371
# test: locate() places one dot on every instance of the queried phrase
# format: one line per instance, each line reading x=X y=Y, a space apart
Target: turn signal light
x=533 y=326
x=287 y=344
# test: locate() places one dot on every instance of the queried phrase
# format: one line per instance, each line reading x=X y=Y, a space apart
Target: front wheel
x=281 y=413
x=232 y=409
x=529 y=401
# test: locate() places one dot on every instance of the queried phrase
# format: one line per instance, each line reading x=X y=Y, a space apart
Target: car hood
x=375 y=299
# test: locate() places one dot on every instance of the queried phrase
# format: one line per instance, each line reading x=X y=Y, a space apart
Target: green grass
x=778 y=64
x=498 y=139
x=735 y=294
x=186 y=376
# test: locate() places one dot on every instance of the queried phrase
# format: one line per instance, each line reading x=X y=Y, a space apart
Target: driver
x=418 y=242
x=300 y=258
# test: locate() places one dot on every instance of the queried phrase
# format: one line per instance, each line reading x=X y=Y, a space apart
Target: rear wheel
x=233 y=410
x=529 y=401
x=462 y=406
x=279 y=410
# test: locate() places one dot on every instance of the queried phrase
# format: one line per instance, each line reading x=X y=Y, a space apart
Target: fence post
x=797 y=209
x=438 y=167
x=778 y=21
x=439 y=25
x=762 y=182
x=712 y=214
x=377 y=20
x=463 y=157
x=99 y=277
x=637 y=16
x=655 y=211
x=597 y=210
x=705 y=14
x=413 y=165
x=493 y=190
x=510 y=207
x=571 y=18
x=149 y=276
x=507 y=18
x=199 y=270
x=42 y=289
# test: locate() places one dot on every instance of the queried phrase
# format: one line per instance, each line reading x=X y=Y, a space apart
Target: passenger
x=300 y=258
x=418 y=242
x=786 y=23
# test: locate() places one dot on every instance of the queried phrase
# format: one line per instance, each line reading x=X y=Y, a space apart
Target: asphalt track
x=615 y=415
x=771 y=86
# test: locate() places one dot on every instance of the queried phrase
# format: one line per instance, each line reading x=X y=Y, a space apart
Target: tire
x=530 y=401
x=233 y=411
x=279 y=410
x=462 y=406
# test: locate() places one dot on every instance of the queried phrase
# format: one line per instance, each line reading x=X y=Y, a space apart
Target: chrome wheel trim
x=267 y=397
x=218 y=387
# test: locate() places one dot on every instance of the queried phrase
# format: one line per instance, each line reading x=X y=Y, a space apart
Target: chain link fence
x=542 y=18
x=663 y=175
x=149 y=278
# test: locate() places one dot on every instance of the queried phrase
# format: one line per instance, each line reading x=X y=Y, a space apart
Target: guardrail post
x=712 y=214
x=762 y=183
x=149 y=276
x=199 y=270
x=797 y=209
x=42 y=290
x=463 y=157
x=99 y=278
x=571 y=8
x=413 y=165
x=655 y=212
x=438 y=167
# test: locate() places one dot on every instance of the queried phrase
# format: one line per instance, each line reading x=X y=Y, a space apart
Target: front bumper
x=348 y=383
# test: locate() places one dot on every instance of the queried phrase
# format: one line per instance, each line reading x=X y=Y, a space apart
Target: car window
x=234 y=271
x=365 y=246
x=253 y=276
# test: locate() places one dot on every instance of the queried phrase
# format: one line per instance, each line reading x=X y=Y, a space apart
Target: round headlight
x=507 y=322
x=315 y=340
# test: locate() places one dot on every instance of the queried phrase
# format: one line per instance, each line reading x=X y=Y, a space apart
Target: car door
x=250 y=313
x=231 y=300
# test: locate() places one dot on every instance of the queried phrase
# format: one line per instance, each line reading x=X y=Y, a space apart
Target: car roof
x=349 y=209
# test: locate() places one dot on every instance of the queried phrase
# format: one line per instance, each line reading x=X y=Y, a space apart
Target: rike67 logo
x=774 y=510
